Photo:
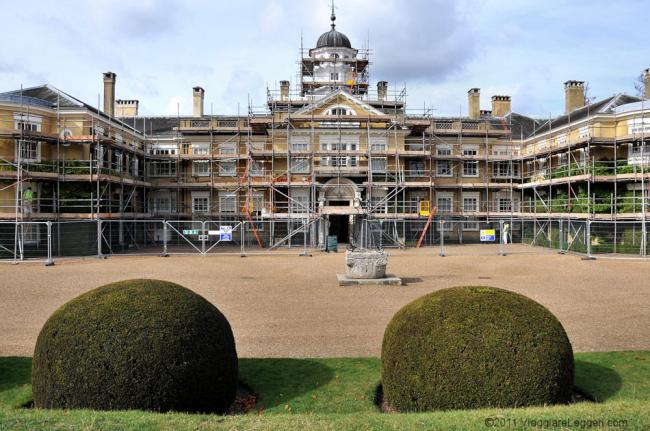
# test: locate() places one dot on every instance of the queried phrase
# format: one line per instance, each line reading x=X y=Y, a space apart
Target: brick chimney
x=474 y=103
x=198 y=94
x=284 y=90
x=109 y=93
x=382 y=90
x=646 y=82
x=574 y=95
x=126 y=108
x=501 y=105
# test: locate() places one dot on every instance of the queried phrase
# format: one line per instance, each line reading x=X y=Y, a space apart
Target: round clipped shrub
x=136 y=344
x=473 y=347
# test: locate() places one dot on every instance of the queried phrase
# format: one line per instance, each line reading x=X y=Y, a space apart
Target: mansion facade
x=332 y=149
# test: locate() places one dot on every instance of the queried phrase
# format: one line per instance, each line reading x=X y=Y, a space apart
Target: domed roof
x=333 y=38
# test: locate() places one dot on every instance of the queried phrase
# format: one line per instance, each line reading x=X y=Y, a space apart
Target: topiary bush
x=136 y=344
x=473 y=347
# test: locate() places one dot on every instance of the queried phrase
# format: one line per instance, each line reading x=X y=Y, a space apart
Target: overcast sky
x=438 y=49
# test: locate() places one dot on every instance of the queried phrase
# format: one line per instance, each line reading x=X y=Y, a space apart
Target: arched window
x=338 y=111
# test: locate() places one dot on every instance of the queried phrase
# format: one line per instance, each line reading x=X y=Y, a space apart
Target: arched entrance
x=340 y=199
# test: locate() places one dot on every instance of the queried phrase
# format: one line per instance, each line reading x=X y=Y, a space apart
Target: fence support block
x=501 y=251
x=49 y=261
x=588 y=239
x=242 y=253
x=99 y=239
x=165 y=254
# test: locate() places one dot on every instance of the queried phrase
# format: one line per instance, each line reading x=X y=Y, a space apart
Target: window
x=163 y=149
x=443 y=168
x=379 y=143
x=470 y=150
x=227 y=202
x=470 y=202
x=200 y=202
x=300 y=165
x=443 y=150
x=227 y=168
x=257 y=169
x=255 y=203
x=228 y=149
x=500 y=150
x=416 y=168
x=118 y=161
x=505 y=169
x=339 y=161
x=164 y=202
x=23 y=125
x=340 y=110
x=378 y=164
x=470 y=168
x=30 y=151
x=334 y=76
x=200 y=149
x=201 y=168
x=299 y=143
x=299 y=202
x=29 y=123
x=162 y=168
x=444 y=203
x=379 y=204
x=339 y=143
x=470 y=226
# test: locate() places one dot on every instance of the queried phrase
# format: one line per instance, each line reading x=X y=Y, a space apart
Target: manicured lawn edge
x=338 y=394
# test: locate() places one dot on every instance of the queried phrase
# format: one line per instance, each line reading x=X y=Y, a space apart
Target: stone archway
x=340 y=192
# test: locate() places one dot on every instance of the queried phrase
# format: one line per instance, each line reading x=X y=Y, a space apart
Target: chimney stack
x=109 y=93
x=284 y=90
x=382 y=90
x=646 y=82
x=126 y=108
x=474 y=103
x=501 y=105
x=197 y=99
x=574 y=95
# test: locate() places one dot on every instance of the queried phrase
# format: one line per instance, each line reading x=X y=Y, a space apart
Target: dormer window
x=334 y=56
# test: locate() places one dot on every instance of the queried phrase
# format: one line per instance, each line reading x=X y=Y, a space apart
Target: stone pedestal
x=365 y=264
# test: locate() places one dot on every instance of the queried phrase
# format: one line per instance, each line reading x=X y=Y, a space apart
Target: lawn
x=338 y=394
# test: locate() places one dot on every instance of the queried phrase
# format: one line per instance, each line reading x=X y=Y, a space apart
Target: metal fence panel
x=45 y=241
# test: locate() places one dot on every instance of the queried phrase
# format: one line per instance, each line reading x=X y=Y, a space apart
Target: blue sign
x=225 y=233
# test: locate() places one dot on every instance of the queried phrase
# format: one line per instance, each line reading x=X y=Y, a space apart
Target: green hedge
x=474 y=347
x=136 y=344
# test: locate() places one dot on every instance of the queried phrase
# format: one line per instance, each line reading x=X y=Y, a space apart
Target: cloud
x=425 y=41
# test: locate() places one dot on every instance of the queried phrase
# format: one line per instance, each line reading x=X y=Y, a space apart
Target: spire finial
x=333 y=17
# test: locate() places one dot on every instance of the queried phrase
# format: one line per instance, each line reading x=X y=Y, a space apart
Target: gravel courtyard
x=291 y=306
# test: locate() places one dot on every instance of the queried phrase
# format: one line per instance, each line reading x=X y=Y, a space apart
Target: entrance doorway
x=340 y=226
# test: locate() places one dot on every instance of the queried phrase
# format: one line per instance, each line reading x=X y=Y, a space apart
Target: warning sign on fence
x=487 y=235
x=226 y=233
